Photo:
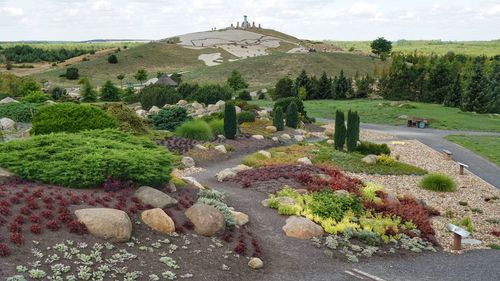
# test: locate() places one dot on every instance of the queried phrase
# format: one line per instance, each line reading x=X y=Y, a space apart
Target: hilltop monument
x=245 y=24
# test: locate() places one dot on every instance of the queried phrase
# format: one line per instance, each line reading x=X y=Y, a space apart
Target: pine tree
x=230 y=122
x=495 y=88
x=236 y=81
x=278 y=119
x=340 y=130
x=109 y=92
x=342 y=86
x=452 y=99
x=324 y=87
x=476 y=96
x=439 y=83
x=292 y=116
x=352 y=130
x=87 y=92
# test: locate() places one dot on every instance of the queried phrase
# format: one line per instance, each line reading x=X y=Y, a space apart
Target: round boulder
x=370 y=159
x=240 y=218
x=7 y=124
x=255 y=263
x=111 y=224
x=154 y=197
x=302 y=228
x=158 y=220
x=207 y=220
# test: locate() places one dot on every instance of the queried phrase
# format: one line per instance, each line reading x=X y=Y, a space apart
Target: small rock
x=283 y=200
x=8 y=100
x=299 y=137
x=105 y=223
x=240 y=168
x=193 y=181
x=154 y=110
x=238 y=109
x=221 y=148
x=264 y=153
x=271 y=129
x=221 y=137
x=404 y=117
x=263 y=113
x=200 y=111
x=300 y=131
x=258 y=137
x=302 y=228
x=241 y=218
x=305 y=161
x=207 y=220
x=200 y=147
x=182 y=103
x=329 y=131
x=370 y=159
x=285 y=137
x=324 y=177
x=188 y=162
x=255 y=263
x=158 y=220
x=154 y=197
x=226 y=173
x=141 y=113
x=275 y=139
x=330 y=142
x=7 y=124
x=197 y=105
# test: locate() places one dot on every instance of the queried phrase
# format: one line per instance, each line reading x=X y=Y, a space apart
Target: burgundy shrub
x=47 y=214
x=65 y=217
x=4 y=250
x=36 y=229
x=34 y=218
x=53 y=225
x=76 y=227
x=495 y=232
x=17 y=238
x=19 y=219
x=240 y=248
x=15 y=200
x=25 y=211
x=15 y=227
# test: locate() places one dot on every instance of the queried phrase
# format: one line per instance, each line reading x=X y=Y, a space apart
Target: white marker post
x=458 y=234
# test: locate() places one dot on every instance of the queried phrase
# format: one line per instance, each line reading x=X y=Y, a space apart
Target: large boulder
x=271 y=129
x=240 y=218
x=220 y=104
x=111 y=224
x=154 y=197
x=224 y=174
x=7 y=124
x=158 y=220
x=370 y=159
x=8 y=100
x=207 y=220
x=188 y=162
x=182 y=103
x=221 y=148
x=154 y=110
x=285 y=137
x=141 y=113
x=197 y=105
x=302 y=228
x=213 y=108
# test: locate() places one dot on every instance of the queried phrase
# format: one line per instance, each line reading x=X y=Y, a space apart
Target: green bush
x=72 y=73
x=230 y=122
x=170 y=118
x=366 y=148
x=128 y=121
x=195 y=129
x=109 y=92
x=278 y=119
x=57 y=93
x=340 y=131
x=86 y=159
x=112 y=59
x=210 y=94
x=69 y=117
x=329 y=204
x=438 y=182
x=217 y=126
x=292 y=116
x=158 y=95
x=244 y=105
x=19 y=112
x=186 y=89
x=35 y=97
x=246 y=116
x=244 y=95
x=213 y=116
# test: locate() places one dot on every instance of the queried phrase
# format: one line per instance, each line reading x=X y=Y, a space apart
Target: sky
x=307 y=19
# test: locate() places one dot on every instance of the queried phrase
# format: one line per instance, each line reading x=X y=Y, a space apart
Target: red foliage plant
x=77 y=227
x=19 y=219
x=495 y=232
x=35 y=218
x=240 y=248
x=112 y=185
x=25 y=211
x=17 y=238
x=47 y=214
x=65 y=217
x=15 y=227
x=53 y=225
x=4 y=250
x=35 y=229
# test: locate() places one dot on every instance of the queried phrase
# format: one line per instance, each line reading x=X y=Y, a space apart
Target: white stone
x=275 y=139
x=7 y=124
x=188 y=162
x=271 y=129
x=200 y=147
x=141 y=113
x=266 y=154
x=213 y=108
x=330 y=142
x=305 y=161
x=8 y=100
x=224 y=174
x=299 y=137
x=241 y=218
x=255 y=263
x=238 y=109
x=193 y=181
x=258 y=137
x=221 y=137
x=200 y=111
x=300 y=131
x=370 y=159
x=154 y=110
x=197 y=105
x=240 y=168
x=263 y=113
x=221 y=148
x=221 y=104
x=182 y=103
x=285 y=137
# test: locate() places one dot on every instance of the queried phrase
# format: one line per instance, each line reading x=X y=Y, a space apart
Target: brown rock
x=302 y=228
x=105 y=223
x=158 y=220
x=207 y=220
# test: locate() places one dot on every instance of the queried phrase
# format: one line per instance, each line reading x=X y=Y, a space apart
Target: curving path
x=287 y=258
x=434 y=138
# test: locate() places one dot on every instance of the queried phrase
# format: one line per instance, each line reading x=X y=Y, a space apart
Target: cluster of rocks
x=194 y=109
x=230 y=172
x=7 y=125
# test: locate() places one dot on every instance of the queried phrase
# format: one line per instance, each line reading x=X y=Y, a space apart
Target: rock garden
x=201 y=186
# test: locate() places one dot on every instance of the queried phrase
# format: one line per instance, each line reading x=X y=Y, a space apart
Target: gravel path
x=434 y=138
x=292 y=259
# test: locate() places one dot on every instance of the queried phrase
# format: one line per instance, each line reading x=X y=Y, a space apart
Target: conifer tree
x=324 y=87
x=340 y=130
x=230 y=122
x=292 y=116
x=352 y=130
x=476 y=97
x=278 y=119
x=452 y=99
x=87 y=92
x=109 y=92
x=495 y=88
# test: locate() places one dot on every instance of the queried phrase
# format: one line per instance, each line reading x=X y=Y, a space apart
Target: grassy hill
x=264 y=71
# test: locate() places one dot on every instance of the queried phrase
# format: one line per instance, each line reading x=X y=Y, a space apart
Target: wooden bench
x=448 y=155
x=462 y=166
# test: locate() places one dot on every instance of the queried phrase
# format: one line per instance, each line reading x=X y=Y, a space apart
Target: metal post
x=457 y=242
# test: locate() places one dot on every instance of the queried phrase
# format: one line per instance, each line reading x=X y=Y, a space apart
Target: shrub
x=170 y=118
x=87 y=159
x=128 y=121
x=186 y=89
x=244 y=95
x=236 y=81
x=230 y=122
x=285 y=102
x=57 y=93
x=261 y=95
x=352 y=130
x=210 y=94
x=292 y=116
x=109 y=92
x=438 y=182
x=340 y=131
x=278 y=119
x=158 y=95
x=69 y=117
x=246 y=116
x=366 y=148
x=19 y=112
x=195 y=129
x=88 y=94
x=244 y=105
x=112 y=59
x=35 y=97
x=217 y=126
x=72 y=73
x=329 y=204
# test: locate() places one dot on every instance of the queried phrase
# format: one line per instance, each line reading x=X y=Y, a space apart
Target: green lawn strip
x=382 y=112
x=486 y=146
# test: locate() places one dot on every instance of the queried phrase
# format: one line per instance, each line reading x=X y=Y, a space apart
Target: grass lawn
x=486 y=146
x=382 y=112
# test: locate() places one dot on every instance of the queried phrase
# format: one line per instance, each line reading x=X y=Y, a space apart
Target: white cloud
x=101 y=5
x=495 y=11
x=364 y=9
x=13 y=11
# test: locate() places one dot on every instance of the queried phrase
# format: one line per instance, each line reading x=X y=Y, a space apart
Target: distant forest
x=28 y=54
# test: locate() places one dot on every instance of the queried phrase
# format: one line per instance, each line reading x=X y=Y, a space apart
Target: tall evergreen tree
x=324 y=87
x=87 y=92
x=495 y=88
x=440 y=81
x=236 y=81
x=109 y=92
x=284 y=88
x=342 y=86
x=278 y=119
x=230 y=122
x=453 y=97
x=292 y=116
x=352 y=130
x=340 y=130
x=312 y=93
x=476 y=96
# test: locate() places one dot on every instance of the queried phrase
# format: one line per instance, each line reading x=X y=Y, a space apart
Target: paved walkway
x=434 y=138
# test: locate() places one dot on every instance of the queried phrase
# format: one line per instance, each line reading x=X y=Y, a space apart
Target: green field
x=473 y=48
x=486 y=146
x=385 y=112
x=73 y=45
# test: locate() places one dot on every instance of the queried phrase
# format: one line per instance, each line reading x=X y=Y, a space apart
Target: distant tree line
x=26 y=53
x=469 y=83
